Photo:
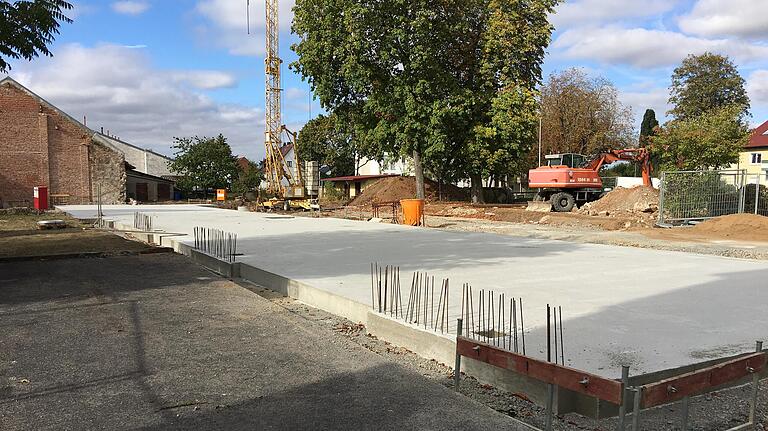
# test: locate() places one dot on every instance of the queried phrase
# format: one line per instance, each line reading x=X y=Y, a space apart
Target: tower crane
x=285 y=183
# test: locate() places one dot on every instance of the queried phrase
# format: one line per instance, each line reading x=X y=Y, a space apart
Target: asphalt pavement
x=155 y=342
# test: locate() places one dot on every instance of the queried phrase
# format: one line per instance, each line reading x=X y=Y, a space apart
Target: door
x=142 y=192
x=163 y=192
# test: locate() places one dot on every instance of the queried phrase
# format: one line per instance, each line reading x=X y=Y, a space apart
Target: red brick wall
x=39 y=146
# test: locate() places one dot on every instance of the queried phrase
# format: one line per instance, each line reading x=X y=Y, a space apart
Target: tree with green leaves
x=441 y=81
x=203 y=163
x=248 y=179
x=648 y=127
x=324 y=140
x=707 y=82
x=711 y=140
x=28 y=27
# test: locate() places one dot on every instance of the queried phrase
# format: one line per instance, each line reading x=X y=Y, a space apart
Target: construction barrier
x=675 y=389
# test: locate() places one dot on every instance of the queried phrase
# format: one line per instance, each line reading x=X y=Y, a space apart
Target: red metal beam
x=569 y=378
x=684 y=385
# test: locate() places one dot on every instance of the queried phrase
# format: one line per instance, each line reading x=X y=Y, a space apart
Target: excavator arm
x=636 y=155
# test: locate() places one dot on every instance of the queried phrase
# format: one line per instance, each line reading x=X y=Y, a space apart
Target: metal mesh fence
x=699 y=195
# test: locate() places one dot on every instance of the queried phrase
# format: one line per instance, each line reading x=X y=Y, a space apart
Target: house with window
x=754 y=158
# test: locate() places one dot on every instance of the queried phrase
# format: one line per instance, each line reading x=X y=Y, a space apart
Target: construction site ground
x=20 y=238
x=650 y=309
x=623 y=229
x=155 y=342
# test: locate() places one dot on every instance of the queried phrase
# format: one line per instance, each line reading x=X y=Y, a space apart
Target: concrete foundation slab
x=650 y=309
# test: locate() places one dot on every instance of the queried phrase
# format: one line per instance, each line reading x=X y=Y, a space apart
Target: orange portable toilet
x=221 y=194
x=413 y=212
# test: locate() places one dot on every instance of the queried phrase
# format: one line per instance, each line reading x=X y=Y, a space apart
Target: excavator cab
x=572 y=160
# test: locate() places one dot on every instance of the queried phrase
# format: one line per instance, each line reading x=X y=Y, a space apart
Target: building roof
x=131 y=172
x=359 y=177
x=97 y=136
x=285 y=149
x=109 y=140
x=759 y=137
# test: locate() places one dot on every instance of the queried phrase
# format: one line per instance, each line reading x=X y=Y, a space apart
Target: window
x=290 y=163
x=757 y=158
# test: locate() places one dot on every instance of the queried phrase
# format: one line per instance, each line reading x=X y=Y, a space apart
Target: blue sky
x=148 y=70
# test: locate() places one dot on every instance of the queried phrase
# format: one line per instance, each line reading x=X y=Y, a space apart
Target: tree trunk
x=476 y=189
x=419 y=172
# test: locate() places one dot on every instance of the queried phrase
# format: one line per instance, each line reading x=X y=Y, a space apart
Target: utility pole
x=540 y=121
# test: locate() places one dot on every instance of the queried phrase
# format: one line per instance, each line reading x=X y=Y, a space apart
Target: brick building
x=40 y=145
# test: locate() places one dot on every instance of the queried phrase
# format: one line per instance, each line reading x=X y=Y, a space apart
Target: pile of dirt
x=745 y=227
x=637 y=200
x=396 y=188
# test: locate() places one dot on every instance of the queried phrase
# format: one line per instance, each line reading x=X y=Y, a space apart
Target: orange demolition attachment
x=569 y=179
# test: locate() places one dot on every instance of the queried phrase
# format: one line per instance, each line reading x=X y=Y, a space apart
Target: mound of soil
x=396 y=188
x=745 y=227
x=637 y=200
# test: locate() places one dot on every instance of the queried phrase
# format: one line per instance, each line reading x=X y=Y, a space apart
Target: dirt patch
x=28 y=244
x=397 y=188
x=27 y=220
x=19 y=238
x=636 y=200
x=744 y=227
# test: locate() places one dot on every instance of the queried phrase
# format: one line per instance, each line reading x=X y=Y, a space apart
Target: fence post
x=636 y=410
x=755 y=389
x=757 y=192
x=662 y=186
x=684 y=413
x=550 y=407
x=457 y=369
x=623 y=406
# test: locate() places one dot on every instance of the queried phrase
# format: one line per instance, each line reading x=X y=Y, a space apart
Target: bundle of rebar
x=142 y=222
x=216 y=242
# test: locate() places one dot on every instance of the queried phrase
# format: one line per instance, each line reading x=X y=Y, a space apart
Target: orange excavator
x=570 y=179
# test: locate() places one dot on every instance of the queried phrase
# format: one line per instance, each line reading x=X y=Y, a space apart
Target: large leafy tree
x=443 y=81
x=324 y=140
x=203 y=163
x=707 y=82
x=583 y=115
x=709 y=141
x=27 y=27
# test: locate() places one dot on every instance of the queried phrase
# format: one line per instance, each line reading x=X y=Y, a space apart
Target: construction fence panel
x=699 y=195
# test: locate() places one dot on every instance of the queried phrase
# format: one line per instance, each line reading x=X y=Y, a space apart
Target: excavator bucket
x=539 y=206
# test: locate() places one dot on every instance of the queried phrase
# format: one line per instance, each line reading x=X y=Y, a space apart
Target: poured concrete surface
x=158 y=343
x=650 y=309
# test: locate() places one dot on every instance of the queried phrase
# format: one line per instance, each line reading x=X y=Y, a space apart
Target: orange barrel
x=413 y=211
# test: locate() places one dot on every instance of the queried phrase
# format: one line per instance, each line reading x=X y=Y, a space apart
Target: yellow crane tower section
x=285 y=182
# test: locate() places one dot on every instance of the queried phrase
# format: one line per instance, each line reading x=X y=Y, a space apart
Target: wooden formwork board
x=696 y=382
x=569 y=378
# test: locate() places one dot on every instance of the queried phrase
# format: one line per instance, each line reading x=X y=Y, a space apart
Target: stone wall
x=108 y=171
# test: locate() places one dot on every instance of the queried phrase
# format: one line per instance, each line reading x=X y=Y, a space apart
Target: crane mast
x=276 y=168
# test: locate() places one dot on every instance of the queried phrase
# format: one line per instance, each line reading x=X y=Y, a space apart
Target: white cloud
x=119 y=89
x=645 y=48
x=646 y=96
x=742 y=18
x=226 y=24
x=757 y=87
x=205 y=79
x=130 y=7
x=594 y=11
